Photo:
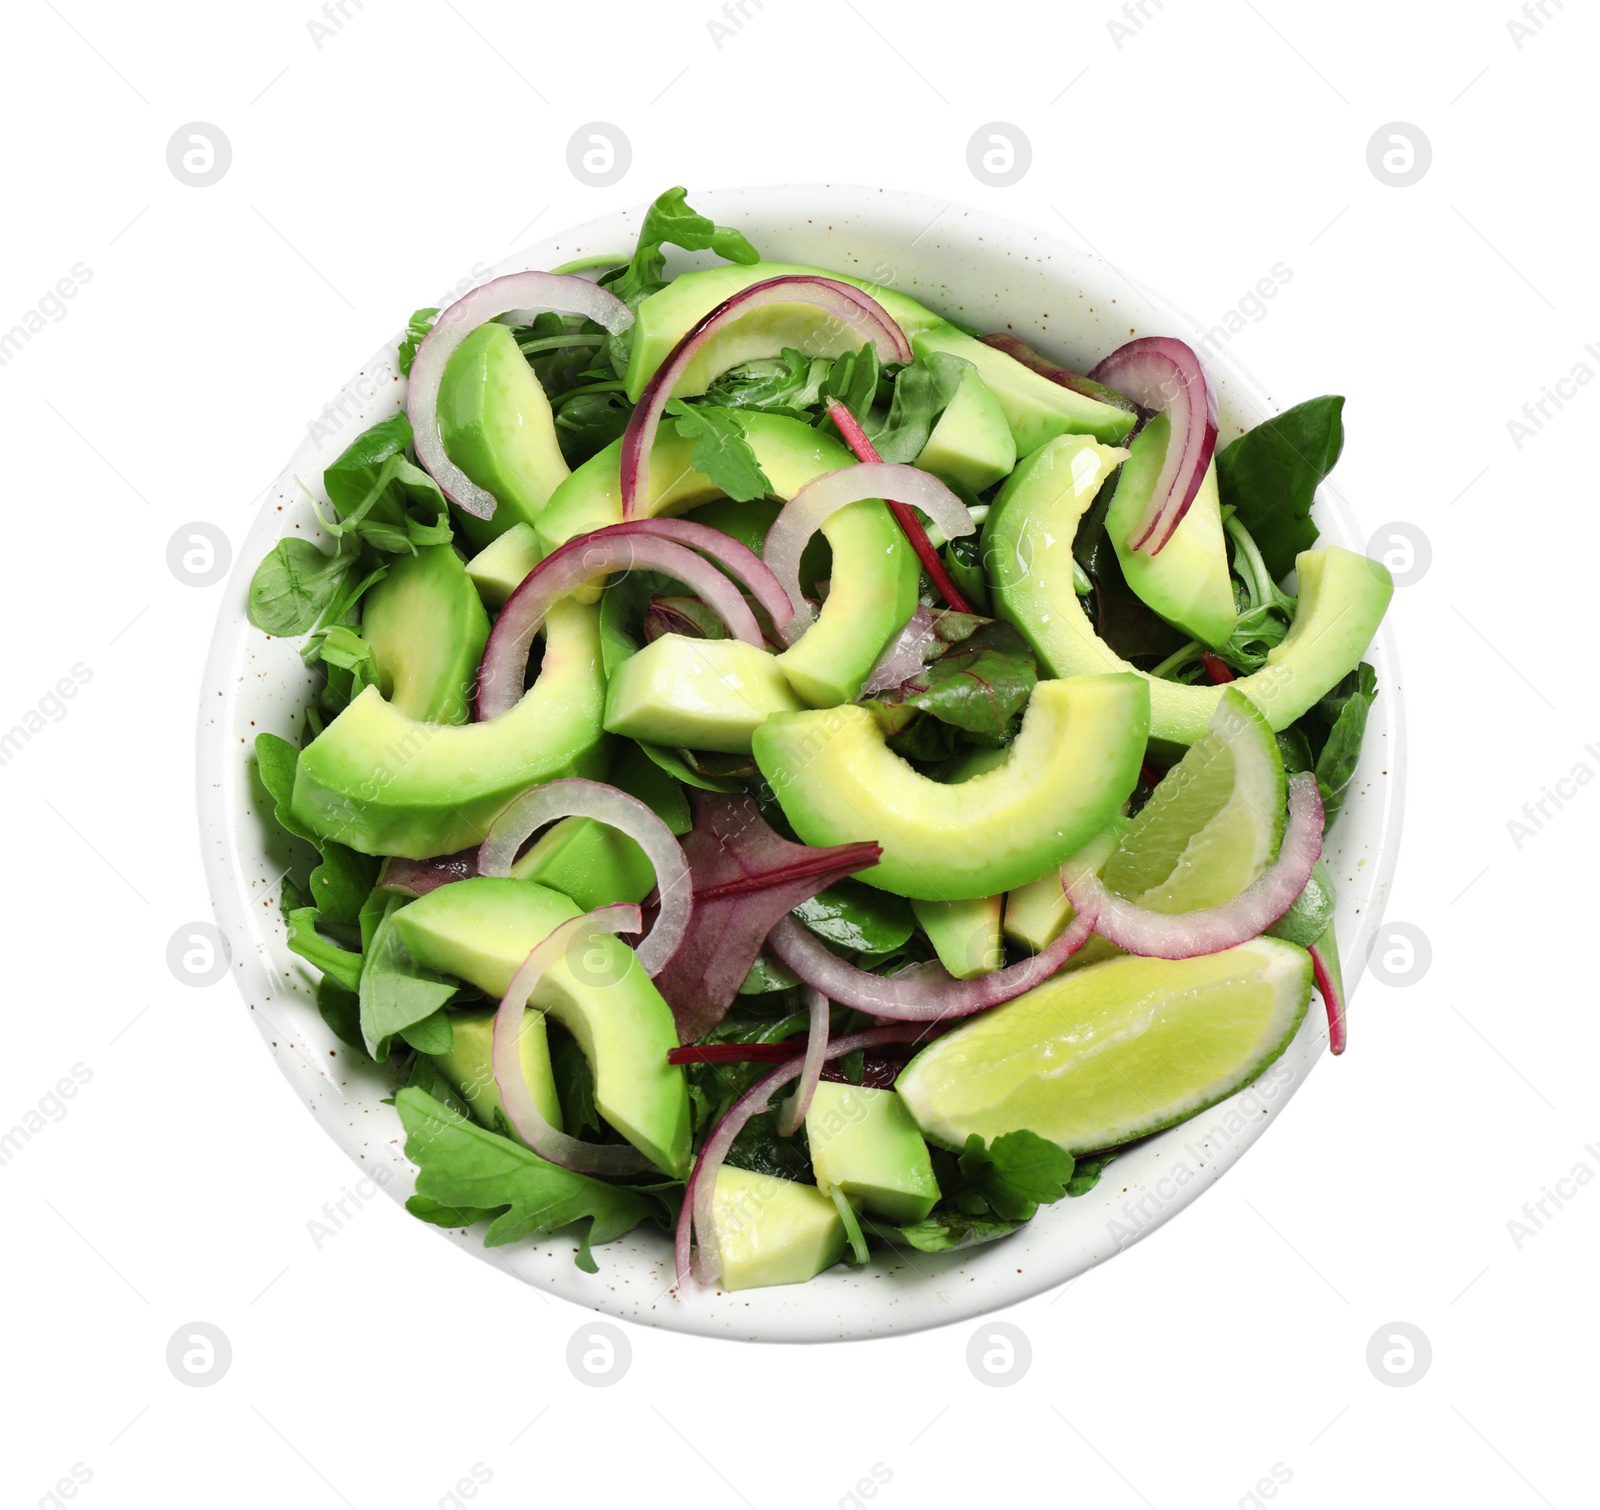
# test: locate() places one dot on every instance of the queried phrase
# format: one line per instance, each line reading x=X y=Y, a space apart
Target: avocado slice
x=873 y=590
x=498 y=569
x=1036 y=408
x=590 y=862
x=971 y=442
x=1187 y=581
x=1037 y=912
x=496 y=425
x=426 y=626
x=469 y=1065
x=699 y=694
x=965 y=935
x=1027 y=541
x=865 y=1142
x=483 y=928
x=669 y=313
x=386 y=784
x=772 y=1231
x=1073 y=764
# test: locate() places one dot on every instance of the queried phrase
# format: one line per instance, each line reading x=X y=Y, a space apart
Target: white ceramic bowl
x=988 y=273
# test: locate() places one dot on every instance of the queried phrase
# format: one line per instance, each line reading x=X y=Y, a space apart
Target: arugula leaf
x=1017 y=1173
x=417 y=328
x=1269 y=474
x=721 y=449
x=586 y=423
x=922 y=392
x=1087 y=1171
x=399 y=996
x=467 y=1174
x=304 y=940
x=341 y=884
x=293 y=586
x=671 y=222
x=789 y=383
x=1347 y=707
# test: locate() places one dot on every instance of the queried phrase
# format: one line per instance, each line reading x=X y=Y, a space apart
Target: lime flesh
x=1099 y=1056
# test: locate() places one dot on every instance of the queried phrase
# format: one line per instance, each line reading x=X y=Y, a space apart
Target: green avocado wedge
x=426 y=625
x=1073 y=764
x=468 y=1064
x=873 y=590
x=483 y=928
x=496 y=425
x=386 y=784
x=1028 y=538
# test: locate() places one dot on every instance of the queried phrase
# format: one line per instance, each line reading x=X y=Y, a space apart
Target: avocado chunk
x=498 y=569
x=1036 y=408
x=386 y=784
x=772 y=1231
x=669 y=313
x=589 y=861
x=1027 y=539
x=469 y=1066
x=496 y=425
x=971 y=442
x=865 y=1142
x=1074 y=762
x=1036 y=913
x=482 y=930
x=1187 y=581
x=873 y=590
x=965 y=935
x=426 y=626
x=703 y=694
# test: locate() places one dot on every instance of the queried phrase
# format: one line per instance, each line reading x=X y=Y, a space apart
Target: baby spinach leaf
x=341 y=884
x=467 y=1174
x=398 y=995
x=1347 y=707
x=293 y=586
x=862 y=918
x=943 y=1231
x=341 y=1010
x=721 y=450
x=276 y=760
x=1269 y=474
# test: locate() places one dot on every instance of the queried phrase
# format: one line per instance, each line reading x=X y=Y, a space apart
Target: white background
x=376 y=169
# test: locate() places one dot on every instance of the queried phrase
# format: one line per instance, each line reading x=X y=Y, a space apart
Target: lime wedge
x=1098 y=1056
x=1213 y=824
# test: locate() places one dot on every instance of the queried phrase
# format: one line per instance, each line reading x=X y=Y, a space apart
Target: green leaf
x=1015 y=1174
x=945 y=1231
x=292 y=586
x=980 y=683
x=304 y=940
x=466 y=1174
x=341 y=884
x=721 y=449
x=417 y=328
x=671 y=222
x=790 y=383
x=853 y=379
x=350 y=476
x=765 y=977
x=862 y=918
x=574 y=1082
x=587 y=423
x=432 y=1035
x=276 y=760
x=922 y=392
x=341 y=1010
x=398 y=994
x=1269 y=474
x=1086 y=1172
x=1347 y=706
x=673 y=763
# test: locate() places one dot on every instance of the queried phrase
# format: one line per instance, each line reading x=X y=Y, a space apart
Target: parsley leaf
x=1017 y=1173
x=721 y=450
x=467 y=1174
x=1269 y=474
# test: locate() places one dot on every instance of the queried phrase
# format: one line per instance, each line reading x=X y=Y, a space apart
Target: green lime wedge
x=1098 y=1056
x=1213 y=824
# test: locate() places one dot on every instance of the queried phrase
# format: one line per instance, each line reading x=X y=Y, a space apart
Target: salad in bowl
x=793 y=769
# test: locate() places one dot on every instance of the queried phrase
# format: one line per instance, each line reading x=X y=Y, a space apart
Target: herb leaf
x=1269 y=474
x=671 y=222
x=1017 y=1173
x=417 y=328
x=979 y=683
x=1347 y=706
x=922 y=392
x=399 y=996
x=292 y=586
x=721 y=449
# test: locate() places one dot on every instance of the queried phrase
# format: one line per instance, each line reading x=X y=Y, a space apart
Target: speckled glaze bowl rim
x=988 y=272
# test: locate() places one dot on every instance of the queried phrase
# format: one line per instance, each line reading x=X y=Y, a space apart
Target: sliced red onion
x=821 y=498
x=795 y=1109
x=856 y=438
x=506 y=1058
x=903 y=999
x=617 y=547
x=416 y=878
x=1164 y=375
x=695 y=1215
x=1181 y=935
x=1063 y=377
x=734 y=556
x=1332 y=993
x=906 y=656
x=575 y=797
x=557 y=292
x=851 y=308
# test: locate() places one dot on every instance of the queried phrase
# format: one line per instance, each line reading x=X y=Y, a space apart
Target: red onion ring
x=856 y=438
x=914 y=1000
x=821 y=498
x=1181 y=935
x=557 y=292
x=1164 y=375
x=1332 y=999
x=853 y=310
x=576 y=797
x=695 y=1214
x=617 y=547
x=524 y=1116
x=795 y=1109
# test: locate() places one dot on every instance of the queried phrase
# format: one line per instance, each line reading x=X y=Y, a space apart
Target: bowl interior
x=981 y=270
